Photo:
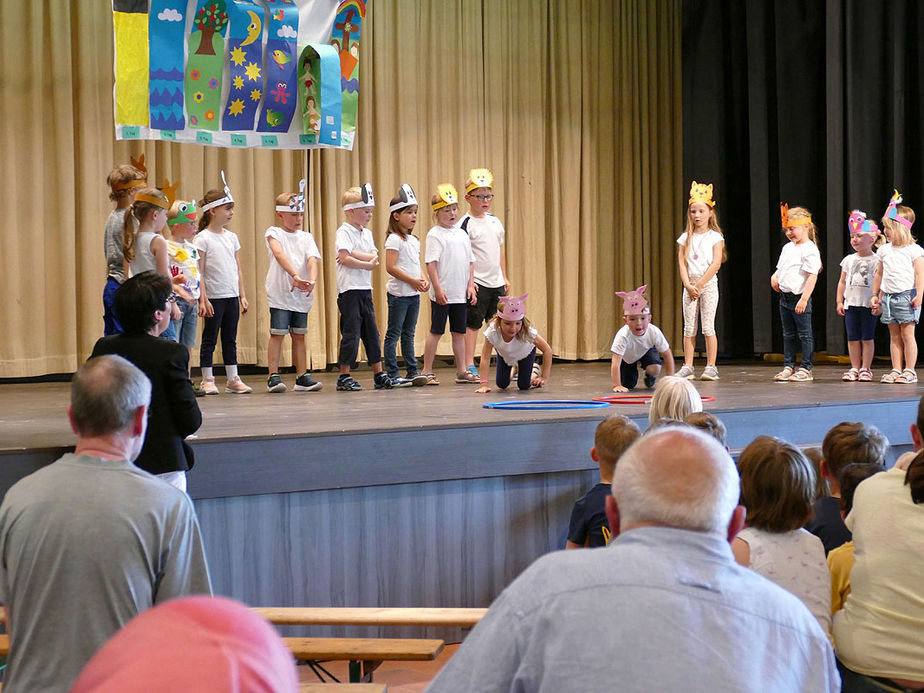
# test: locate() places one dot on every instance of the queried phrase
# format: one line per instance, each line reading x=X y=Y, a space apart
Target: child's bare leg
x=689 y=349
x=868 y=350
x=430 y=351
x=895 y=345
x=910 y=345
x=853 y=350
x=273 y=350
x=458 y=350
x=471 y=336
x=299 y=353
x=712 y=349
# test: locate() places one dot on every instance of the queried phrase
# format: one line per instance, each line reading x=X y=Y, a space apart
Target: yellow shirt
x=840 y=561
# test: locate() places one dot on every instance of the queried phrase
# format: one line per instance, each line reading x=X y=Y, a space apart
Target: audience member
x=917 y=438
x=822 y=490
x=675 y=398
x=777 y=487
x=90 y=541
x=710 y=424
x=662 y=608
x=588 y=526
x=142 y=305
x=202 y=644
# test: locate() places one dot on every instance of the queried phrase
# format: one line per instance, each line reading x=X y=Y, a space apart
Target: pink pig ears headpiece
x=633 y=303
x=511 y=308
x=892 y=210
x=858 y=223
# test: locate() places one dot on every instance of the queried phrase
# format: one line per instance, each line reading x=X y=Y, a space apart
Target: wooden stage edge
x=279 y=443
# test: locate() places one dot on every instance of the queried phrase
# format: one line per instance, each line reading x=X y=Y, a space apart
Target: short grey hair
x=106 y=392
x=677 y=476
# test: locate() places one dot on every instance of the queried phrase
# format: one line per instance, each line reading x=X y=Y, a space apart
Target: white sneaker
x=685 y=372
x=209 y=387
x=710 y=373
x=236 y=386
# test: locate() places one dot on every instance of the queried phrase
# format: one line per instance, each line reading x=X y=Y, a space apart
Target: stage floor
x=34 y=416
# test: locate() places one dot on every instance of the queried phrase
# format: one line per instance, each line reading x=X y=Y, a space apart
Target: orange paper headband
x=787 y=223
x=130 y=185
x=155 y=200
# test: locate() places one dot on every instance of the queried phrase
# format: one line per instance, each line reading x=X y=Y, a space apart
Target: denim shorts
x=860 y=323
x=285 y=321
x=185 y=327
x=896 y=308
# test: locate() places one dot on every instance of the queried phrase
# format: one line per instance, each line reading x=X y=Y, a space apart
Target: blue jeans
x=402 y=322
x=852 y=682
x=796 y=328
x=111 y=324
x=185 y=327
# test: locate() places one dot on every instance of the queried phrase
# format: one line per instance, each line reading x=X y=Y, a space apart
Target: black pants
x=524 y=371
x=357 y=321
x=227 y=314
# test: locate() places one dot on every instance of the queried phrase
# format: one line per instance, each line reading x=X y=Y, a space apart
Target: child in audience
x=292 y=253
x=795 y=277
x=898 y=288
x=516 y=341
x=777 y=487
x=356 y=257
x=124 y=181
x=222 y=298
x=841 y=559
x=709 y=423
x=450 y=266
x=674 y=398
x=846 y=443
x=588 y=526
x=854 y=292
x=402 y=262
x=486 y=233
x=638 y=343
x=185 y=271
x=701 y=251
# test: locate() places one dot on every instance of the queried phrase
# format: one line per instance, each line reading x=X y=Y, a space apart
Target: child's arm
x=484 y=367
x=806 y=293
x=668 y=359
x=503 y=264
x=471 y=291
x=432 y=272
x=240 y=284
x=841 y=288
x=391 y=266
x=205 y=306
x=615 y=375
x=546 y=350
x=918 y=282
x=276 y=248
x=313 y=264
x=685 y=275
x=877 y=283
x=347 y=259
x=775 y=281
x=366 y=256
x=713 y=268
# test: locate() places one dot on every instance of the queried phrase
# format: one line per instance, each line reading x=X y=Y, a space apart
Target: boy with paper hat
x=638 y=343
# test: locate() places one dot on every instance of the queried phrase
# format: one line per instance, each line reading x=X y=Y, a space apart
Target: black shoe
x=400 y=382
x=382 y=382
x=274 y=383
x=345 y=383
x=650 y=380
x=305 y=383
x=418 y=379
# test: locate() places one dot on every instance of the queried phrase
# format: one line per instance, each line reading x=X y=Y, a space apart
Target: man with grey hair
x=664 y=607
x=91 y=540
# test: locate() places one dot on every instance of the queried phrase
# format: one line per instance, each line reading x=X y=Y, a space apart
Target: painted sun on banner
x=271 y=74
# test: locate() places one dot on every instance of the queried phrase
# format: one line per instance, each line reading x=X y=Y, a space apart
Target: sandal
x=467 y=377
x=851 y=376
x=908 y=376
x=891 y=377
x=431 y=379
x=866 y=375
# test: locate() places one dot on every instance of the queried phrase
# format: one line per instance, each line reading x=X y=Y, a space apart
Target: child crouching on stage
x=638 y=343
x=516 y=342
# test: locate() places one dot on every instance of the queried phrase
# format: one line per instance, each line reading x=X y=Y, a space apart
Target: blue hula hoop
x=548 y=404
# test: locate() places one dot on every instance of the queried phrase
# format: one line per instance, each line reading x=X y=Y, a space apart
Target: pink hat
x=204 y=644
x=513 y=308
x=858 y=223
x=633 y=303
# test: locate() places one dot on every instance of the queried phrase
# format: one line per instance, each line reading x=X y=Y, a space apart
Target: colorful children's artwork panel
x=272 y=74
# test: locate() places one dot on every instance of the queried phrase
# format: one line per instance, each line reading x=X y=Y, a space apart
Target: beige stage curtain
x=575 y=106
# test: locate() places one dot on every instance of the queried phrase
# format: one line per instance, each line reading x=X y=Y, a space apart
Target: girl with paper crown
x=854 y=292
x=516 y=341
x=700 y=253
x=795 y=277
x=898 y=288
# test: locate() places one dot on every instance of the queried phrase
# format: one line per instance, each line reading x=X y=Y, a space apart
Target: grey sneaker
x=274 y=384
x=801 y=376
x=685 y=372
x=305 y=383
x=710 y=373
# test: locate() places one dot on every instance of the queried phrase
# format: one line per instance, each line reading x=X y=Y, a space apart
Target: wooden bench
x=363 y=616
x=363 y=654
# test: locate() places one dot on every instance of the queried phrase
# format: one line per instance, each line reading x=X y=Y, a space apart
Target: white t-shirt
x=796 y=562
x=408 y=262
x=451 y=250
x=632 y=348
x=351 y=239
x=515 y=349
x=700 y=254
x=487 y=236
x=220 y=252
x=898 y=267
x=859 y=272
x=298 y=247
x=797 y=262
x=184 y=259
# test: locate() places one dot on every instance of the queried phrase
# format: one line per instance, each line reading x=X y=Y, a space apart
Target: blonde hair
x=777 y=485
x=134 y=216
x=796 y=213
x=613 y=437
x=284 y=198
x=351 y=196
x=674 y=398
x=712 y=223
x=206 y=217
x=899 y=234
x=522 y=333
x=124 y=173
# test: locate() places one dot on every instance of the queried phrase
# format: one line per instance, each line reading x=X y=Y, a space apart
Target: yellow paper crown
x=447 y=194
x=169 y=191
x=701 y=192
x=479 y=178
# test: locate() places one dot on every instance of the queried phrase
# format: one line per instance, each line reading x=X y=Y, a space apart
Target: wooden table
x=363 y=616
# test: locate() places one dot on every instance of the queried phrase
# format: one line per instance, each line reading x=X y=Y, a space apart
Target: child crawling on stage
x=638 y=343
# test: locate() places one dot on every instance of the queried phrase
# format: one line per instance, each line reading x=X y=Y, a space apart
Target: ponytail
x=914 y=478
x=129 y=230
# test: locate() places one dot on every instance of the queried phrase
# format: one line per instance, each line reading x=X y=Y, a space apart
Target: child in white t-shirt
x=854 y=291
x=402 y=262
x=516 y=341
x=700 y=253
x=450 y=266
x=290 y=281
x=898 y=288
x=638 y=343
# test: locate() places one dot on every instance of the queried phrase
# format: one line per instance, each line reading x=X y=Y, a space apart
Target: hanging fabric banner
x=229 y=73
